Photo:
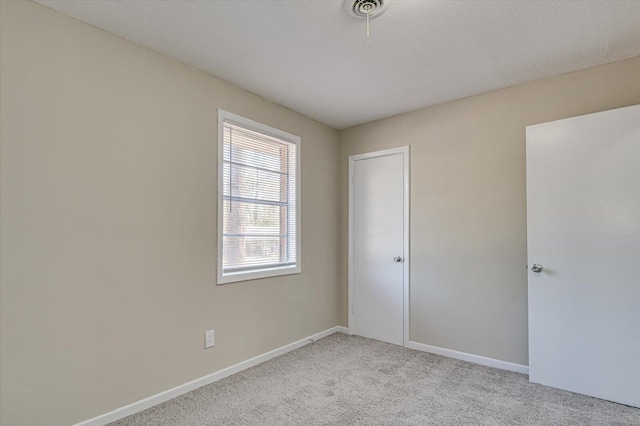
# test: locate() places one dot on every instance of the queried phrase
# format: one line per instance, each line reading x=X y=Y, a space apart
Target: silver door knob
x=537 y=268
x=397 y=259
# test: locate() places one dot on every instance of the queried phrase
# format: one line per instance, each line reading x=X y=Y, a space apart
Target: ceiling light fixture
x=366 y=9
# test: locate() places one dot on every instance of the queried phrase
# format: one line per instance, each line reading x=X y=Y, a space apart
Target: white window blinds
x=259 y=209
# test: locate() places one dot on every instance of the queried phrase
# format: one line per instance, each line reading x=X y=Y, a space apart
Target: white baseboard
x=156 y=399
x=463 y=356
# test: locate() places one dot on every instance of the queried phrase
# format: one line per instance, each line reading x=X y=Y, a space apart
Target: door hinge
x=353 y=179
x=352 y=310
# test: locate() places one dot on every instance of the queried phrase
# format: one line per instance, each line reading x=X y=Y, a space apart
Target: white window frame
x=225 y=116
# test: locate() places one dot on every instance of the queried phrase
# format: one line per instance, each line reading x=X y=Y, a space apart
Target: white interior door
x=583 y=228
x=378 y=257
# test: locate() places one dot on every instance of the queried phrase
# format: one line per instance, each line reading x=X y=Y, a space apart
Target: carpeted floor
x=349 y=380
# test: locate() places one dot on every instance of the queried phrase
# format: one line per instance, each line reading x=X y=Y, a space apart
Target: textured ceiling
x=312 y=57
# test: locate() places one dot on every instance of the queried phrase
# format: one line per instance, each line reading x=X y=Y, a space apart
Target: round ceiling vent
x=364 y=8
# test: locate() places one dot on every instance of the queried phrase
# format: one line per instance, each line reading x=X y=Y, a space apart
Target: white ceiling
x=312 y=57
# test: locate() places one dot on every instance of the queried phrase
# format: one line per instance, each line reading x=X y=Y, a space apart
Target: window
x=258 y=200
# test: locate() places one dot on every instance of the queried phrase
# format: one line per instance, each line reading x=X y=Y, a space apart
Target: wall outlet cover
x=209 y=339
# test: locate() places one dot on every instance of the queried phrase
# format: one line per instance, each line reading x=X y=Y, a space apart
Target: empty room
x=319 y=212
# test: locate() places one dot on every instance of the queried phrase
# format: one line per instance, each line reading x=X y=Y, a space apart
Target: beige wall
x=108 y=229
x=468 y=203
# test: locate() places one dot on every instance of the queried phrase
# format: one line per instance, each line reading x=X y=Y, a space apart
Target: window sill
x=235 y=277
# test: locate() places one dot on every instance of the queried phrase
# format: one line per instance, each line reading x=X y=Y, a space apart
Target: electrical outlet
x=208 y=339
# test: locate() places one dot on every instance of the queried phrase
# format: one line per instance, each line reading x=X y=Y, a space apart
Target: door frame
x=405 y=151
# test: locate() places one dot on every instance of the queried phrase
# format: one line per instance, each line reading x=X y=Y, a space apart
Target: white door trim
x=404 y=150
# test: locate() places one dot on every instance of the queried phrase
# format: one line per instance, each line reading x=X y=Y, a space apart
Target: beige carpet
x=349 y=380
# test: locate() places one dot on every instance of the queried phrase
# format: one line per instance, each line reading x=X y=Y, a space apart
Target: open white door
x=378 y=245
x=583 y=233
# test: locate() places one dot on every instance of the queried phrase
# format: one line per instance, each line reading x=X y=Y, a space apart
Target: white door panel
x=377 y=238
x=583 y=227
